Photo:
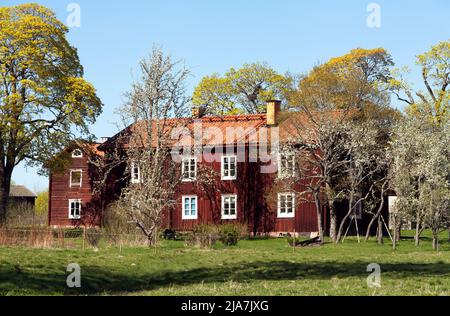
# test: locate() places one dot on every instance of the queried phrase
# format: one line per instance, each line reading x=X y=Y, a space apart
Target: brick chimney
x=198 y=112
x=273 y=109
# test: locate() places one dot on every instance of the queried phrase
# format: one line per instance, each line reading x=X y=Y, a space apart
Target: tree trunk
x=435 y=242
x=396 y=231
x=3 y=205
x=344 y=220
x=333 y=221
x=380 y=231
x=417 y=234
x=319 y=218
x=378 y=214
x=152 y=237
x=5 y=186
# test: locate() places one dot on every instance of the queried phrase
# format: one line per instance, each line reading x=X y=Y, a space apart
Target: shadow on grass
x=96 y=280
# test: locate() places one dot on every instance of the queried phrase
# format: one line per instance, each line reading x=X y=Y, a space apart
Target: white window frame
x=76 y=185
x=229 y=216
x=183 y=208
x=222 y=168
x=286 y=214
x=191 y=158
x=75 y=155
x=135 y=180
x=80 y=202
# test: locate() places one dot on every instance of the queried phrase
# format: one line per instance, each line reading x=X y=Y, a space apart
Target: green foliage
x=243 y=90
x=42 y=203
x=352 y=81
x=206 y=235
x=43 y=96
x=434 y=100
x=231 y=233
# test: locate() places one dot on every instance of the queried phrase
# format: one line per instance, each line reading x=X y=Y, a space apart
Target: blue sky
x=212 y=36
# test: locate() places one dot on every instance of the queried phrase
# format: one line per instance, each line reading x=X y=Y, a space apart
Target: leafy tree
x=243 y=90
x=434 y=102
x=344 y=89
x=42 y=203
x=44 y=100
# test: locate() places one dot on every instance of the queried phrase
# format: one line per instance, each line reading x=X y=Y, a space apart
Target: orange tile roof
x=242 y=129
x=233 y=128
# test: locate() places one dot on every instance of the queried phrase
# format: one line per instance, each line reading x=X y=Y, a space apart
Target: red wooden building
x=239 y=194
x=72 y=200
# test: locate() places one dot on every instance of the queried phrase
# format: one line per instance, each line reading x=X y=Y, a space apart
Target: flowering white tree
x=156 y=104
x=365 y=168
x=421 y=174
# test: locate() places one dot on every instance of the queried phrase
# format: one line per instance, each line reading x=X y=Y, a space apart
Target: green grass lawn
x=254 y=267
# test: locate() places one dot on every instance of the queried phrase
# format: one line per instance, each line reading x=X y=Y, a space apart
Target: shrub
x=231 y=233
x=203 y=236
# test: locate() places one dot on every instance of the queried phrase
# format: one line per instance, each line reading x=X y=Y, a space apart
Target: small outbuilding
x=20 y=197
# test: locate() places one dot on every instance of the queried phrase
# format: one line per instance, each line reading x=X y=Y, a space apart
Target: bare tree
x=156 y=106
x=317 y=140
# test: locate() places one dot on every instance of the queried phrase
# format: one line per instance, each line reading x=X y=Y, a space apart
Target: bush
x=93 y=236
x=203 y=236
x=231 y=233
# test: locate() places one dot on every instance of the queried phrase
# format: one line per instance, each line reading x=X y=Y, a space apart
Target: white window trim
x=182 y=169
x=70 y=208
x=222 y=168
x=77 y=156
x=286 y=215
x=223 y=206
x=133 y=179
x=76 y=185
x=183 y=214
x=282 y=175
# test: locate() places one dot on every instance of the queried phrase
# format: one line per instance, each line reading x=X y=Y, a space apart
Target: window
x=286 y=165
x=189 y=207
x=229 y=168
x=135 y=173
x=357 y=210
x=286 y=205
x=74 y=209
x=77 y=153
x=76 y=178
x=189 y=169
x=229 y=210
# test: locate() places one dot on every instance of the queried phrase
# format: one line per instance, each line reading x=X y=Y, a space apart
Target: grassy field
x=254 y=267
